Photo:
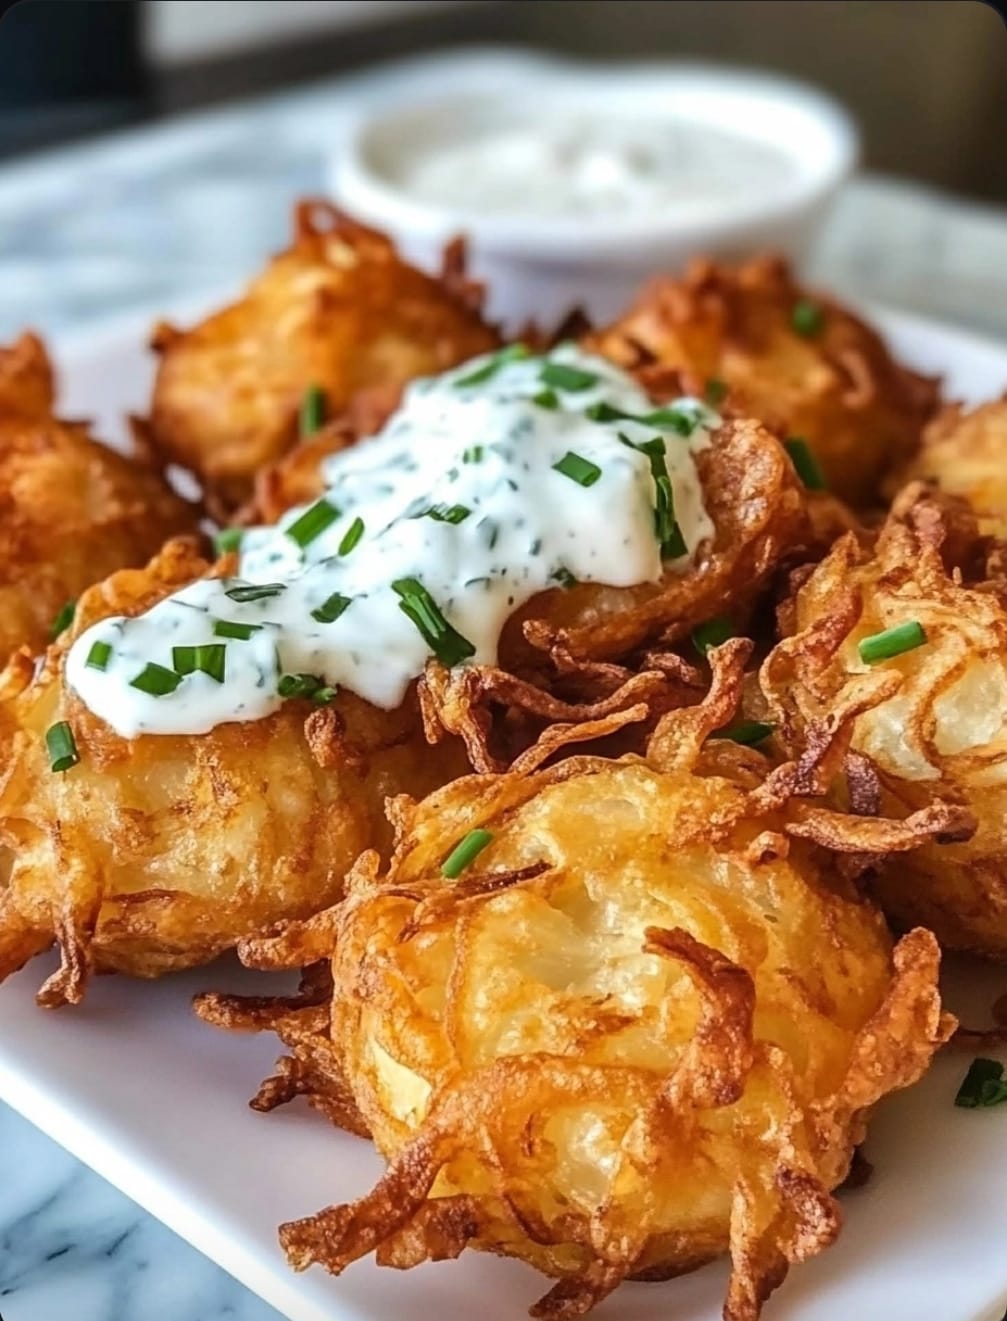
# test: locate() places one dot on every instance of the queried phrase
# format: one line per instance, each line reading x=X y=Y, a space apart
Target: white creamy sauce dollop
x=591 y=166
x=499 y=480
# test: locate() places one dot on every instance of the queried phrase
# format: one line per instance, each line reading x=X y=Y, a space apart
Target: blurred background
x=238 y=105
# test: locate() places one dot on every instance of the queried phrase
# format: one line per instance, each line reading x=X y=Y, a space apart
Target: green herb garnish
x=447 y=513
x=561 y=376
x=805 y=463
x=99 y=655
x=474 y=454
x=807 y=318
x=578 y=469
x=982 y=1086
x=247 y=592
x=671 y=419
x=715 y=392
x=306 y=685
x=352 y=537
x=546 y=399
x=229 y=628
x=465 y=853
x=61 y=746
x=330 y=610
x=417 y=604
x=64 y=619
x=712 y=634
x=564 y=577
x=227 y=539
x=892 y=642
x=209 y=659
x=312 y=523
x=512 y=353
x=312 y=410
x=156 y=680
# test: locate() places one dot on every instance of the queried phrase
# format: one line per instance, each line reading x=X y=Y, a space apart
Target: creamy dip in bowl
x=575 y=182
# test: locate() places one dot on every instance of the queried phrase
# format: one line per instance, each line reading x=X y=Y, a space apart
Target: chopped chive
x=99 y=655
x=417 y=604
x=715 y=392
x=312 y=410
x=352 y=538
x=465 y=853
x=578 y=469
x=156 y=680
x=546 y=399
x=712 y=634
x=564 y=577
x=474 y=454
x=64 y=619
x=982 y=1086
x=747 y=732
x=807 y=318
x=330 y=610
x=299 y=685
x=671 y=419
x=61 y=746
x=227 y=539
x=209 y=659
x=512 y=353
x=447 y=513
x=229 y=628
x=892 y=642
x=805 y=463
x=323 y=696
x=564 y=377
x=312 y=523
x=602 y=412
x=247 y=592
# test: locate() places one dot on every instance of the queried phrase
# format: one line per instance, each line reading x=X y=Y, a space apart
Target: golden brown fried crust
x=964 y=453
x=839 y=388
x=71 y=510
x=932 y=721
x=339 y=310
x=643 y=1028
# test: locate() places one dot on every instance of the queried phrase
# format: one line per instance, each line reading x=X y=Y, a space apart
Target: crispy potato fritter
x=933 y=718
x=613 y=1052
x=799 y=362
x=964 y=453
x=339 y=310
x=71 y=510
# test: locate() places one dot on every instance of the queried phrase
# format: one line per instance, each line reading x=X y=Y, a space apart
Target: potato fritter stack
x=611 y=1017
x=798 y=361
x=904 y=635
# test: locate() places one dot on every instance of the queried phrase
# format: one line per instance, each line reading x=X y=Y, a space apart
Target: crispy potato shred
x=71 y=510
x=617 y=1045
x=339 y=310
x=964 y=453
x=933 y=720
x=798 y=361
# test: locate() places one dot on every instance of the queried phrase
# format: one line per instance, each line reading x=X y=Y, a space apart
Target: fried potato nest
x=799 y=362
x=159 y=852
x=612 y=1052
x=339 y=310
x=933 y=719
x=964 y=453
x=71 y=510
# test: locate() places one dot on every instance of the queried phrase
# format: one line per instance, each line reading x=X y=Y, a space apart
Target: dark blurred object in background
x=926 y=80
x=69 y=69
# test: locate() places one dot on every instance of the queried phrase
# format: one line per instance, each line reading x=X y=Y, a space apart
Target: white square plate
x=153 y=1100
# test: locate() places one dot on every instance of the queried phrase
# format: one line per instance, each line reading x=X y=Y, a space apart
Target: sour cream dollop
x=501 y=479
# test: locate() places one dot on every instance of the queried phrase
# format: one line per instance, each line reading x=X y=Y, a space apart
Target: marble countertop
x=149 y=218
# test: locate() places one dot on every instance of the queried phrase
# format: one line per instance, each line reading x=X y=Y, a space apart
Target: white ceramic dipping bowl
x=540 y=266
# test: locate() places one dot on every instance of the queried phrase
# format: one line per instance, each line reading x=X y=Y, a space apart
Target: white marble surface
x=150 y=218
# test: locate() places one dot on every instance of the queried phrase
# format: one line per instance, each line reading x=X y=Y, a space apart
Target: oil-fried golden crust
x=964 y=453
x=840 y=389
x=614 y=1051
x=934 y=720
x=339 y=309
x=159 y=852
x=71 y=510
